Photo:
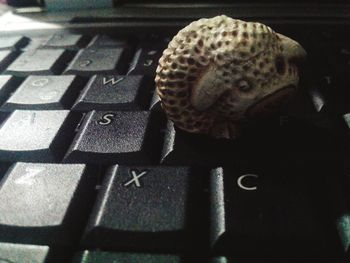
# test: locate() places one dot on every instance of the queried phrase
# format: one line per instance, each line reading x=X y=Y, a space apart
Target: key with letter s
x=112 y=137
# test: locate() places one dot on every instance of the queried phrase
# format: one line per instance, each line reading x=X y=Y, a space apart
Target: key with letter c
x=271 y=210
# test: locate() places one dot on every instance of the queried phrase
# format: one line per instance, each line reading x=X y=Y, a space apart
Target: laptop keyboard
x=91 y=170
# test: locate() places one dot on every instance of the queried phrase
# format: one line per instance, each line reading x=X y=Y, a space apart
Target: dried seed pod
x=221 y=71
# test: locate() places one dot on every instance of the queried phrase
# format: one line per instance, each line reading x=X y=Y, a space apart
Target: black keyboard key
x=14 y=43
x=93 y=61
x=318 y=98
x=3 y=117
x=308 y=137
x=6 y=58
x=183 y=148
x=338 y=184
x=40 y=136
x=148 y=208
x=7 y=85
x=155 y=103
x=45 y=204
x=145 y=61
x=18 y=253
x=346 y=118
x=39 y=62
x=271 y=259
x=278 y=210
x=114 y=93
x=66 y=41
x=155 y=40
x=100 y=256
x=44 y=93
x=3 y=169
x=115 y=137
x=36 y=42
x=101 y=41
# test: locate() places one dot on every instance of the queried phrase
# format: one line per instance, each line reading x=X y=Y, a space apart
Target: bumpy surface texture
x=216 y=73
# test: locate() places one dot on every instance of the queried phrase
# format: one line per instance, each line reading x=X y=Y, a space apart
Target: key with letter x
x=135 y=178
x=151 y=207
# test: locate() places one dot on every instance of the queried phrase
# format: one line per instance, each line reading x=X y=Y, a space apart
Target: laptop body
x=93 y=171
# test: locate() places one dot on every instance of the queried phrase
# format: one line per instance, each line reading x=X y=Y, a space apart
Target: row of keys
x=299 y=140
x=65 y=92
x=164 y=208
x=136 y=137
x=136 y=207
x=17 y=253
x=103 y=137
x=66 y=41
x=42 y=254
x=89 y=61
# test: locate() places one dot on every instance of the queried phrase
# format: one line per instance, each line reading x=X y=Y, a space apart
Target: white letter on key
x=240 y=179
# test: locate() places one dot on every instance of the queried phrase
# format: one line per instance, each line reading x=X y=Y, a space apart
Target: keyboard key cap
x=155 y=103
x=114 y=93
x=93 y=61
x=39 y=136
x=66 y=41
x=18 y=253
x=271 y=259
x=297 y=131
x=338 y=184
x=156 y=40
x=14 y=43
x=273 y=210
x=99 y=256
x=145 y=61
x=149 y=208
x=115 y=137
x=3 y=117
x=3 y=169
x=106 y=41
x=45 y=204
x=36 y=42
x=6 y=58
x=39 y=62
x=7 y=85
x=45 y=93
x=182 y=148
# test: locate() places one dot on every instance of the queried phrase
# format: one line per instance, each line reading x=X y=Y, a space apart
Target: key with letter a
x=36 y=136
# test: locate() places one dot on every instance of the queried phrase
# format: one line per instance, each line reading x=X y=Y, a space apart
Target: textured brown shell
x=227 y=53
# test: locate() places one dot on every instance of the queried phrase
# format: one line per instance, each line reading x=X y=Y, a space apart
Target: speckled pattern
x=220 y=71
